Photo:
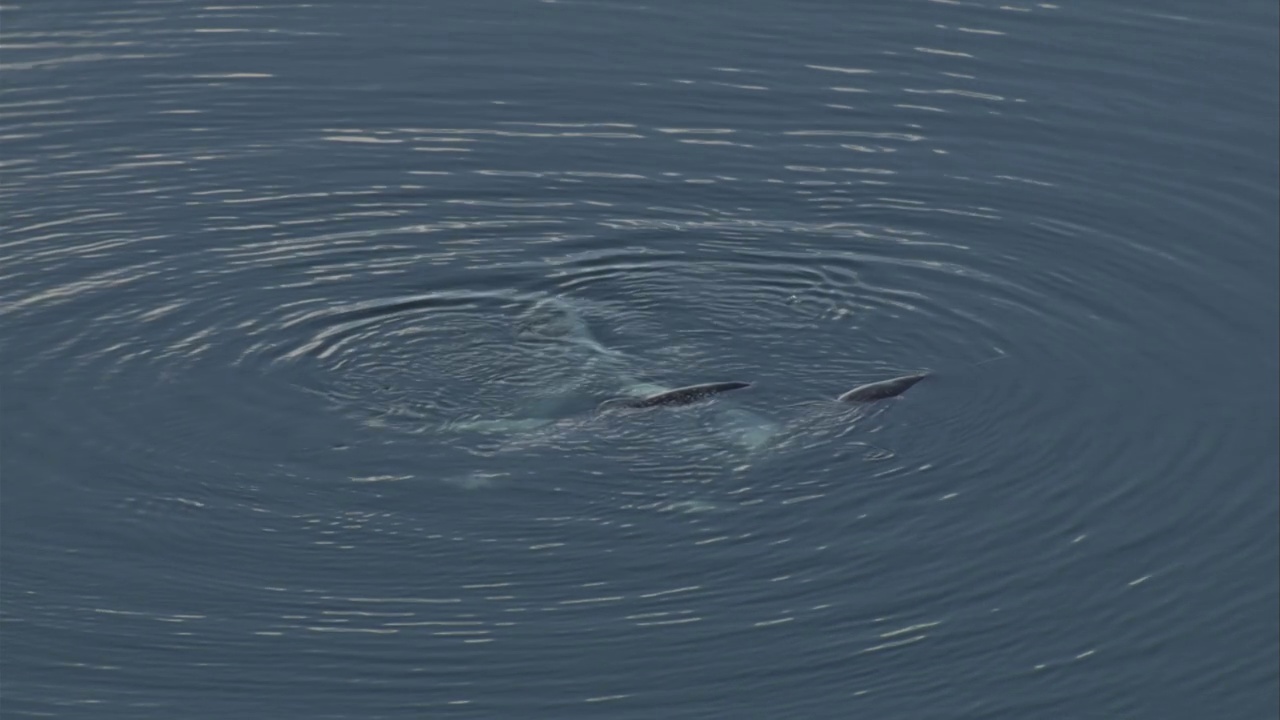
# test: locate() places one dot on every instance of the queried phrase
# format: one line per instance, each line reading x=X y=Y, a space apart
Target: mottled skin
x=881 y=390
x=679 y=396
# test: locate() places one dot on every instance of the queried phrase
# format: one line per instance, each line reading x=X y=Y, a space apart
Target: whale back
x=679 y=396
x=882 y=389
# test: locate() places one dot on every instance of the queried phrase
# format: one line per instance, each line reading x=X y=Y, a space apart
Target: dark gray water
x=305 y=309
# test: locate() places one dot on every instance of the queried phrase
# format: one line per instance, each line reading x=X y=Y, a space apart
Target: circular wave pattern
x=804 y=309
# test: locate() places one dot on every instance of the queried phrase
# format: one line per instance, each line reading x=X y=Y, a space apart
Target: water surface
x=306 y=309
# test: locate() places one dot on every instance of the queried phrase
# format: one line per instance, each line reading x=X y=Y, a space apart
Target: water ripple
x=316 y=347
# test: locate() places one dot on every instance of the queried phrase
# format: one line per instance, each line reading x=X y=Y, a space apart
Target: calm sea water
x=306 y=308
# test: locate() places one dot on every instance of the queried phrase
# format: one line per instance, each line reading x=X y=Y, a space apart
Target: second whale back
x=882 y=390
x=678 y=396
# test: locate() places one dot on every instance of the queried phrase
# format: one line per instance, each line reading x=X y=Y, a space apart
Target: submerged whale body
x=574 y=370
x=882 y=389
x=679 y=396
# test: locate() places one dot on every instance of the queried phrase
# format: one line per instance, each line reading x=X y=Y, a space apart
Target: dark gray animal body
x=679 y=396
x=882 y=390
